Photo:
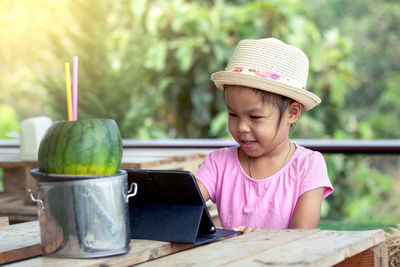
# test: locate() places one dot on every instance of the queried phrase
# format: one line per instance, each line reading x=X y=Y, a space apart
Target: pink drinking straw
x=75 y=89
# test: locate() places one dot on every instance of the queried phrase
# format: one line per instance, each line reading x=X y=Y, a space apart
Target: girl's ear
x=293 y=112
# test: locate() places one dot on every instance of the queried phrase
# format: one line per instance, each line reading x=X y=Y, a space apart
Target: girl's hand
x=245 y=230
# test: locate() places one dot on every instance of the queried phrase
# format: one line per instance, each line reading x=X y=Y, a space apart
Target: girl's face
x=253 y=124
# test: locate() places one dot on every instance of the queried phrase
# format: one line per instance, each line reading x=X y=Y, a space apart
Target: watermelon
x=82 y=147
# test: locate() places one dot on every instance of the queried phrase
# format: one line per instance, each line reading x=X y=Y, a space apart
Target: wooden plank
x=9 y=143
x=14 y=180
x=165 y=152
x=19 y=213
x=10 y=163
x=232 y=249
x=15 y=208
x=144 y=250
x=377 y=256
x=381 y=255
x=170 y=166
x=150 y=161
x=188 y=165
x=4 y=221
x=11 y=199
x=17 y=180
x=324 y=248
x=191 y=166
x=30 y=210
x=160 y=163
x=140 y=251
x=16 y=218
x=9 y=152
x=19 y=241
x=10 y=158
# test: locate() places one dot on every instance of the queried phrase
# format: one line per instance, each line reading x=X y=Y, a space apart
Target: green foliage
x=22 y=57
x=362 y=192
x=373 y=28
x=358 y=74
x=8 y=121
x=114 y=81
x=346 y=225
x=158 y=52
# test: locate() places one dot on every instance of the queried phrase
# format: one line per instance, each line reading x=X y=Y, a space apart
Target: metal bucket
x=83 y=216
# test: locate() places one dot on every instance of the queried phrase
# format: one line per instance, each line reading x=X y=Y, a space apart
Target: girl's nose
x=243 y=127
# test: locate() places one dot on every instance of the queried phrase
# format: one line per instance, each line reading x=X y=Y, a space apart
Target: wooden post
x=17 y=180
x=375 y=257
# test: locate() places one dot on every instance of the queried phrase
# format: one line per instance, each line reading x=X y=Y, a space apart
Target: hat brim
x=306 y=98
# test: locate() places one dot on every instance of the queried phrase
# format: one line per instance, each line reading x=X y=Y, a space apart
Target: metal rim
x=52 y=177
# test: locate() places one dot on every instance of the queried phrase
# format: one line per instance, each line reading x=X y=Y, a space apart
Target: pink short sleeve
x=315 y=174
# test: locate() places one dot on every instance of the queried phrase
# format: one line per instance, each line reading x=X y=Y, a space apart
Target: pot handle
x=35 y=199
x=133 y=188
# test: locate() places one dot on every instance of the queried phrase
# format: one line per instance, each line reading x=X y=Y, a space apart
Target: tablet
x=169 y=206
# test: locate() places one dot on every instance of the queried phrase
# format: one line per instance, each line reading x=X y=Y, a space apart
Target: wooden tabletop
x=313 y=247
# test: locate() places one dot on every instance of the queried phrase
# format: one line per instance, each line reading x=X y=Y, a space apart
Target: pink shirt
x=266 y=203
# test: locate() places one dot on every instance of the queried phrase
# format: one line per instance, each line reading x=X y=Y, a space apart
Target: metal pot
x=83 y=216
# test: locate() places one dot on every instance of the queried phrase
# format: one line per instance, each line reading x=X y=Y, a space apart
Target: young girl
x=268 y=181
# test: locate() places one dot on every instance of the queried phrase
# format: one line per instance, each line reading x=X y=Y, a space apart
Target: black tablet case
x=169 y=207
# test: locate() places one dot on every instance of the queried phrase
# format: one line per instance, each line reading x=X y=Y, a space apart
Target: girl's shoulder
x=305 y=154
x=311 y=169
x=307 y=161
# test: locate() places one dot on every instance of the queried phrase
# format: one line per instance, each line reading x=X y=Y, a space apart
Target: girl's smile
x=246 y=145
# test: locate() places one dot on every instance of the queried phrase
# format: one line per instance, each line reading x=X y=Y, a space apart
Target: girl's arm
x=308 y=209
x=203 y=190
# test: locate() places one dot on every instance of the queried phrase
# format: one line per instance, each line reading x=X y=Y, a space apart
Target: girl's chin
x=249 y=149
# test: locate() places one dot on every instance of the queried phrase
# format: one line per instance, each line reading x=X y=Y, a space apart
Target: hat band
x=269 y=76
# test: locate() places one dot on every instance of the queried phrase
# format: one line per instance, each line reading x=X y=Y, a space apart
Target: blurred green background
x=147 y=64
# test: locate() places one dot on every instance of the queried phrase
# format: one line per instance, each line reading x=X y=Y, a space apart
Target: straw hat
x=271 y=65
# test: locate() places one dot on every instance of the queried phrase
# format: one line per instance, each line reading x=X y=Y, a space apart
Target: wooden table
x=16 y=204
x=268 y=247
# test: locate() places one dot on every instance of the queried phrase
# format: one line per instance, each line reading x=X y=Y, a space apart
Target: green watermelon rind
x=83 y=147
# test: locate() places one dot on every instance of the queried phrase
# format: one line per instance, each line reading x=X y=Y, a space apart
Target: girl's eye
x=255 y=117
x=231 y=114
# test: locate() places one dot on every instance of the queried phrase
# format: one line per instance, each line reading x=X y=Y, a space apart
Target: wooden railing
x=387 y=146
x=322 y=145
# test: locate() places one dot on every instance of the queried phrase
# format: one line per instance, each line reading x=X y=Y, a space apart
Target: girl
x=268 y=181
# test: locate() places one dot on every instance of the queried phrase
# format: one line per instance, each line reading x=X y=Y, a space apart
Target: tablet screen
x=170 y=186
